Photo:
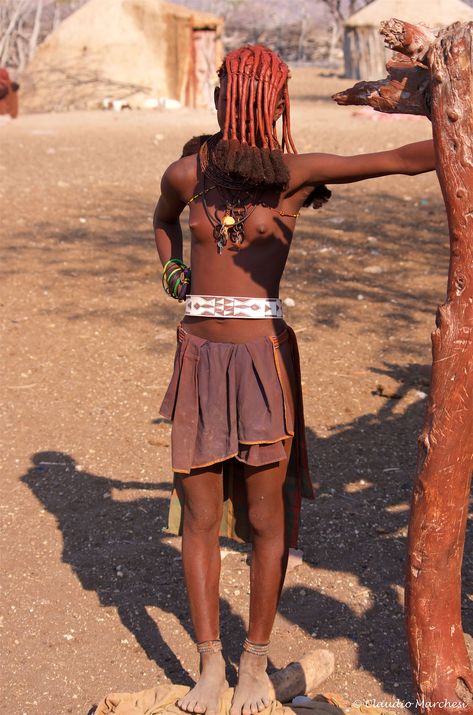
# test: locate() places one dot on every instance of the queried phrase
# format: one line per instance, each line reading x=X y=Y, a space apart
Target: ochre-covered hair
x=256 y=83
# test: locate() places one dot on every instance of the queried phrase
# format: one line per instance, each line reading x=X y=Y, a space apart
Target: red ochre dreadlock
x=256 y=82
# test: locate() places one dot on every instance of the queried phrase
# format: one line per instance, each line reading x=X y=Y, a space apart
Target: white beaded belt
x=226 y=306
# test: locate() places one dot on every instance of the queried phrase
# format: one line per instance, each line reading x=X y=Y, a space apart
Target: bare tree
x=24 y=24
x=339 y=11
x=20 y=27
x=11 y=19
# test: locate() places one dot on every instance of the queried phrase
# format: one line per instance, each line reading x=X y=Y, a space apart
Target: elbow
x=412 y=168
x=166 y=226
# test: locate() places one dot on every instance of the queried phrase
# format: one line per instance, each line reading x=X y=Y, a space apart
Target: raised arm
x=410 y=159
x=167 y=227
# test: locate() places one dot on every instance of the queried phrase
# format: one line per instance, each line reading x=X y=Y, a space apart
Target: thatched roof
x=123 y=49
x=434 y=13
x=118 y=22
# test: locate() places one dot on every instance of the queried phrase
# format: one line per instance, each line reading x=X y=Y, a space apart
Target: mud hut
x=133 y=51
x=365 y=55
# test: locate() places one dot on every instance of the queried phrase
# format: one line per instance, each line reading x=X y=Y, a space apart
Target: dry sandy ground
x=93 y=593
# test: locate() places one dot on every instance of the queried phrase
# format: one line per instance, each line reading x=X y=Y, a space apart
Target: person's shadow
x=116 y=547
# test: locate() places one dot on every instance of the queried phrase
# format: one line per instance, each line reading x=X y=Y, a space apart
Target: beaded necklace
x=229 y=226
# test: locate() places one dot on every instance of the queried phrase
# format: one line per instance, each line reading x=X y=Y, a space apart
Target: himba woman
x=238 y=447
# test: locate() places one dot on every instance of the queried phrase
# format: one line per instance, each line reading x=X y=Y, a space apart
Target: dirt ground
x=93 y=593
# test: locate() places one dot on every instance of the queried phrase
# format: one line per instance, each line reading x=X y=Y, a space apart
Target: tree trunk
x=441 y=667
x=440 y=500
x=35 y=31
x=56 y=16
x=334 y=40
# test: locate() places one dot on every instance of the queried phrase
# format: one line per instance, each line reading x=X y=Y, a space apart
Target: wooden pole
x=435 y=78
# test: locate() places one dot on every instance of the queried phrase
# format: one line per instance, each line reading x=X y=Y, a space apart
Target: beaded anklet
x=176 y=279
x=256 y=648
x=214 y=646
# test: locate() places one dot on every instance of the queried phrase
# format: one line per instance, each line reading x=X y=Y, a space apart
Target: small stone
x=295 y=559
x=301 y=700
x=290 y=302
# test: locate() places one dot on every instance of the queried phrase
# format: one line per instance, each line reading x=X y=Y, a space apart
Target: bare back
x=253 y=270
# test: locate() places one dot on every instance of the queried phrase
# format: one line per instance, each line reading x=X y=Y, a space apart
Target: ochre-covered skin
x=247 y=113
x=441 y=84
x=256 y=269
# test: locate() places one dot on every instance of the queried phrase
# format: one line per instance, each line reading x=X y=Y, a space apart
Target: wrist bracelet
x=176 y=279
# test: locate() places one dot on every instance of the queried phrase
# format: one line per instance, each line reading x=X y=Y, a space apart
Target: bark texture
x=437 y=78
x=403 y=91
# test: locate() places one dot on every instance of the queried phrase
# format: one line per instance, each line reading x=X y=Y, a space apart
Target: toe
x=246 y=709
x=199 y=708
x=236 y=708
x=266 y=701
x=260 y=705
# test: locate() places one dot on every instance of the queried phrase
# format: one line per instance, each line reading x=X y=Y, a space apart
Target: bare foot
x=205 y=695
x=252 y=693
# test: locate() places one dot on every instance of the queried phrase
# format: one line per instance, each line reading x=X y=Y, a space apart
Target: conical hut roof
x=122 y=49
x=119 y=21
x=434 y=13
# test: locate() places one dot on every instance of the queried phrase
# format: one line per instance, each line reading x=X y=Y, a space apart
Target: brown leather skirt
x=236 y=403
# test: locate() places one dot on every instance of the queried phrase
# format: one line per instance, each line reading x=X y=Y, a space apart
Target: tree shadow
x=329 y=264
x=75 y=87
x=366 y=471
x=114 y=540
x=342 y=257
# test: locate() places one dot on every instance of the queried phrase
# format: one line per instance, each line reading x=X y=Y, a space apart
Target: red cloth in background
x=8 y=94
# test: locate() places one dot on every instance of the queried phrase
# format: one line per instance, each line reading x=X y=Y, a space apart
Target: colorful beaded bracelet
x=176 y=279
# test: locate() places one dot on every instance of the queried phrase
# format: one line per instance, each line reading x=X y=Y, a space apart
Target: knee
x=205 y=519
x=267 y=519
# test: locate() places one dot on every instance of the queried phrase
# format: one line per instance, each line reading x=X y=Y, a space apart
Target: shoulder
x=180 y=178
